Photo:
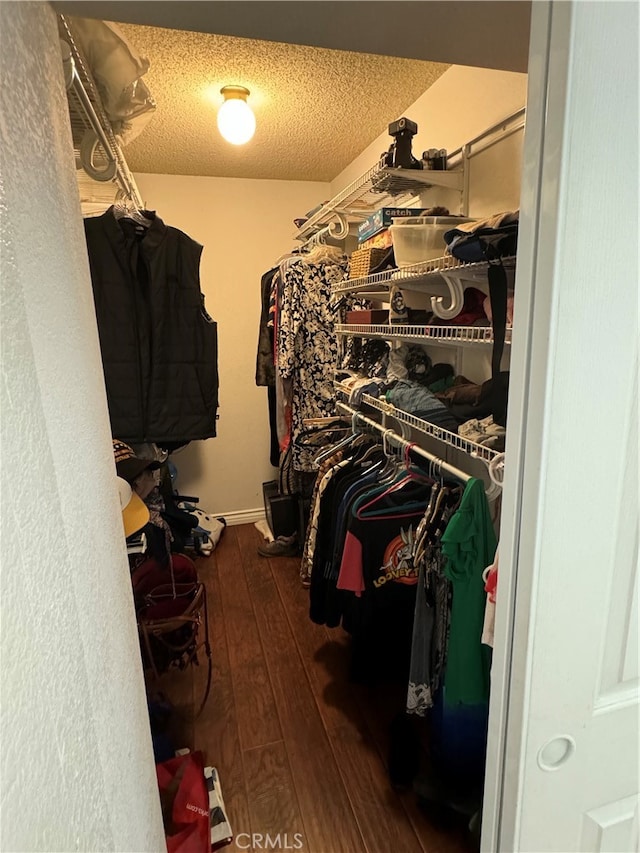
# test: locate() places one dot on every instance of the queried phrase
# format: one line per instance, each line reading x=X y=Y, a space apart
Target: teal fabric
x=468 y=546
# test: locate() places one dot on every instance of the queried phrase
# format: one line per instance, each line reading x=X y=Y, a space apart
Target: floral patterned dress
x=307 y=345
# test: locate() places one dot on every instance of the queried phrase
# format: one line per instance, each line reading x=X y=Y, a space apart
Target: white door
x=563 y=759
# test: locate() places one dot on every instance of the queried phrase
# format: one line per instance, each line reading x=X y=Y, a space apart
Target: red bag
x=185 y=804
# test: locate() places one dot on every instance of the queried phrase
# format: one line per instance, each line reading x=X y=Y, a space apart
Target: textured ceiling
x=316 y=109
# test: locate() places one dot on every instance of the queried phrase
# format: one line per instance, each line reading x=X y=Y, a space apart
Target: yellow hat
x=134 y=512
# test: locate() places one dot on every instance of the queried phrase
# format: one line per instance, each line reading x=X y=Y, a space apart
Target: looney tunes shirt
x=377 y=565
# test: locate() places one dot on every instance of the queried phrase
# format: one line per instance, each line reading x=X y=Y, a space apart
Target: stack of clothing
x=406 y=378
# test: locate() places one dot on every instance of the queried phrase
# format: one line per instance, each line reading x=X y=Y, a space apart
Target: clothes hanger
x=315 y=428
x=390 y=470
x=345 y=442
x=323 y=254
x=126 y=209
x=423 y=526
x=372 y=451
x=432 y=518
x=409 y=475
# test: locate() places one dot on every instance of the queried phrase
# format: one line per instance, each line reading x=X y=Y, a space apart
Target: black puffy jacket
x=158 y=344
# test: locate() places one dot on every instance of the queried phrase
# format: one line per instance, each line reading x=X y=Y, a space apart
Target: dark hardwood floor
x=300 y=751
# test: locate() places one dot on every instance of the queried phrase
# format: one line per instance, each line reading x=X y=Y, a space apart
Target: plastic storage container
x=421 y=238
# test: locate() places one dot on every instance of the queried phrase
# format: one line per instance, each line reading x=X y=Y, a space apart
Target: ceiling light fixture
x=236 y=121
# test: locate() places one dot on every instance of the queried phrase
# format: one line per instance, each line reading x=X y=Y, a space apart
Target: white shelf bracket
x=339 y=227
x=456 y=292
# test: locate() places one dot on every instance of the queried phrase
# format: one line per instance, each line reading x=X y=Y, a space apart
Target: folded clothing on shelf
x=467 y=400
x=462 y=391
x=411 y=361
x=416 y=399
x=364 y=385
x=473 y=310
x=485 y=432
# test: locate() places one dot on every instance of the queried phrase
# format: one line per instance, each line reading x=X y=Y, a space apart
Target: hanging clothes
x=468 y=545
x=490 y=578
x=431 y=617
x=307 y=348
x=362 y=573
x=323 y=477
x=397 y=559
x=265 y=368
x=379 y=551
x=265 y=357
x=158 y=344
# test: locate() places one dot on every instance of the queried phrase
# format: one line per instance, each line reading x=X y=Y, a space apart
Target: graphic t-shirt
x=377 y=564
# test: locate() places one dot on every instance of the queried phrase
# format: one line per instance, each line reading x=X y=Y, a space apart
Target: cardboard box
x=383 y=218
x=381 y=240
x=375 y=317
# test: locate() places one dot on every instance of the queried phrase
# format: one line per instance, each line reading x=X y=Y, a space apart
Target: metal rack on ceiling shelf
x=446 y=335
x=378 y=185
x=445 y=436
x=87 y=113
x=446 y=273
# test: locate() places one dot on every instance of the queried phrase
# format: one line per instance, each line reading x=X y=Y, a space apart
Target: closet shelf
x=420 y=276
x=446 y=276
x=446 y=335
x=445 y=436
x=379 y=185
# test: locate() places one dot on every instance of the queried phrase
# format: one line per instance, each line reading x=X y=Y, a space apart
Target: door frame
x=543 y=158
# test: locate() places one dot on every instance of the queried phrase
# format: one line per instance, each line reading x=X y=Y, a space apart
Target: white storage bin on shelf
x=421 y=238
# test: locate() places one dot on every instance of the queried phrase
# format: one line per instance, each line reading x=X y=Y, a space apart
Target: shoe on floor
x=283 y=546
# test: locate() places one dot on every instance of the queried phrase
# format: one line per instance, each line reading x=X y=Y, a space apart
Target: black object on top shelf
x=399 y=155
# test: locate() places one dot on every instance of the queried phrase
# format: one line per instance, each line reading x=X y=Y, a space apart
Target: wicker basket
x=362 y=261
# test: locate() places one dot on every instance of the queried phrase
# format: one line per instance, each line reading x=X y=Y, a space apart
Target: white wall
x=76 y=762
x=460 y=105
x=244 y=226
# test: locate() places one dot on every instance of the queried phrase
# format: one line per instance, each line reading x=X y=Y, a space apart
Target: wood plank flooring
x=300 y=751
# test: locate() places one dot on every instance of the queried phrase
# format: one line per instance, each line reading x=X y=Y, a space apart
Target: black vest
x=158 y=344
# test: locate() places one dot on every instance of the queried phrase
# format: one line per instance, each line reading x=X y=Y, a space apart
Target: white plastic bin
x=421 y=238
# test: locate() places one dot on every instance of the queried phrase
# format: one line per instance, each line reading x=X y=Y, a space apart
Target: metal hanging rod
x=392 y=437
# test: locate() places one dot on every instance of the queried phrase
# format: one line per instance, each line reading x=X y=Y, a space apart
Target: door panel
x=563 y=760
x=612 y=827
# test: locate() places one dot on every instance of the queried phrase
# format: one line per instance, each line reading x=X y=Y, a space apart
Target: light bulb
x=236 y=121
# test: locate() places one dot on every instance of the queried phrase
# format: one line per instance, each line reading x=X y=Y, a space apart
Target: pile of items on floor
x=162 y=530
x=173 y=522
x=163 y=533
